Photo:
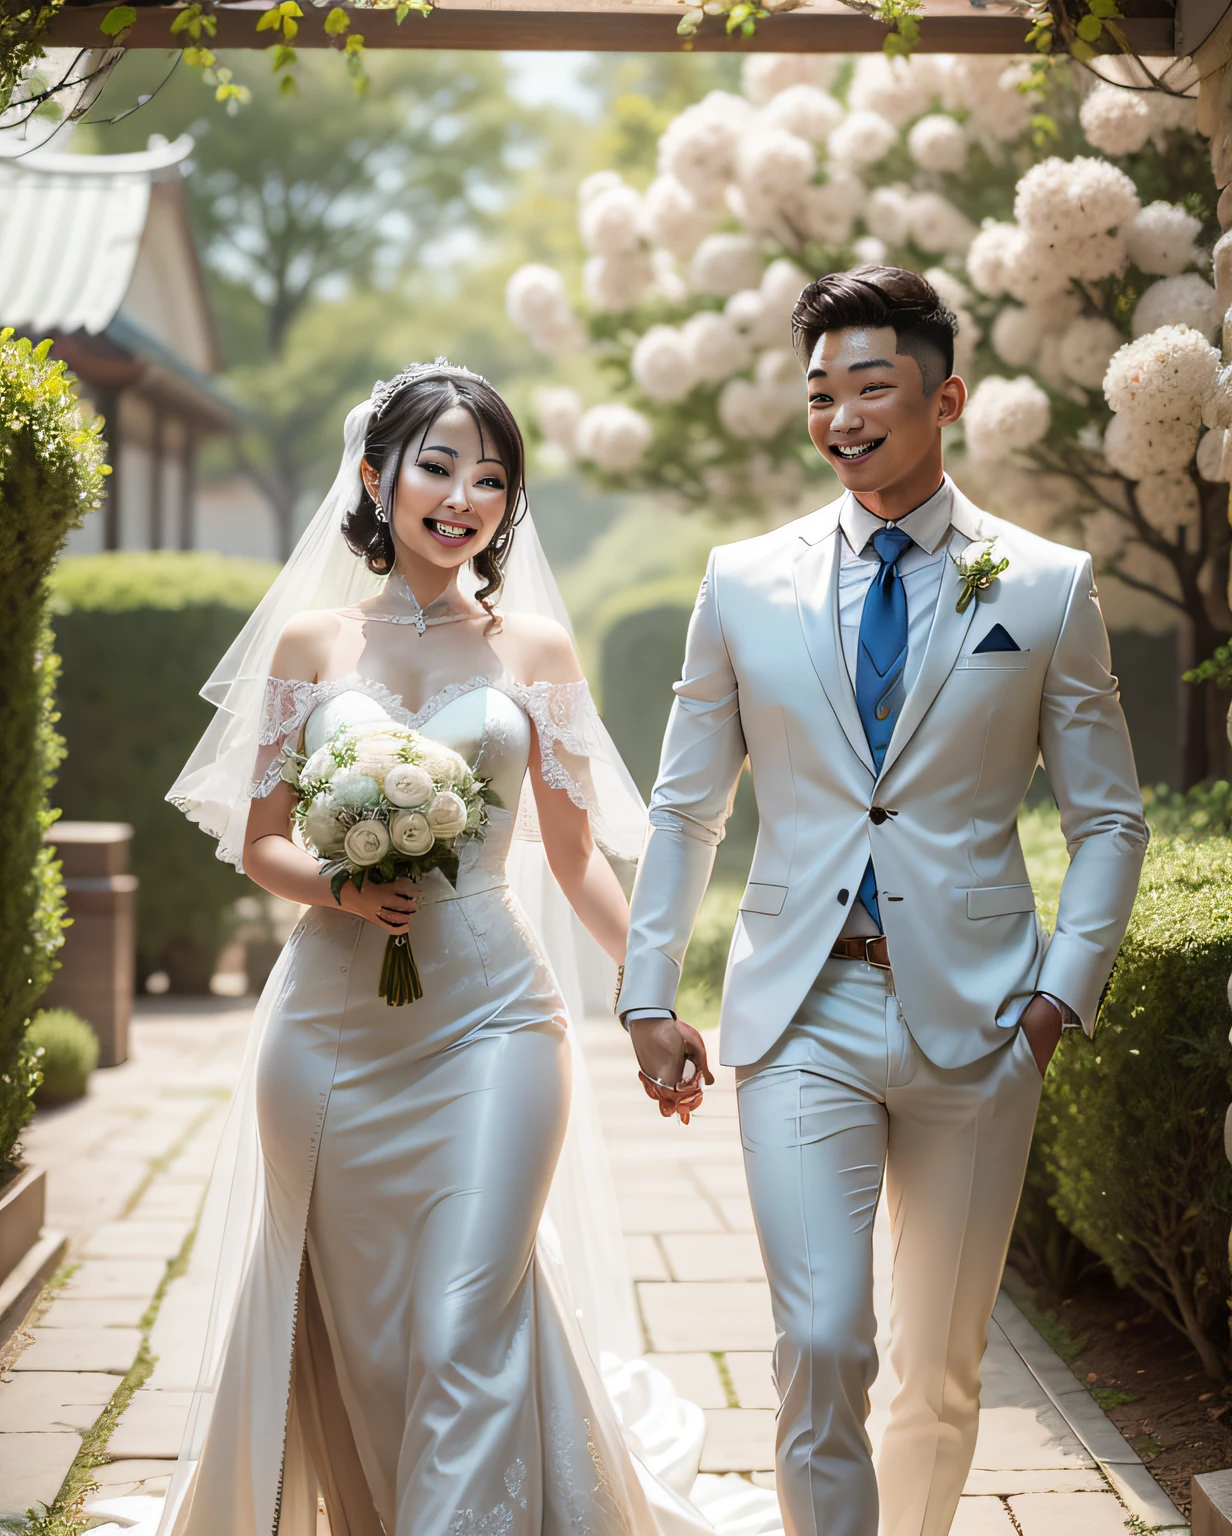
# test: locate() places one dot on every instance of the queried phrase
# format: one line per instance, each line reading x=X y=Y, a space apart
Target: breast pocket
x=993 y=661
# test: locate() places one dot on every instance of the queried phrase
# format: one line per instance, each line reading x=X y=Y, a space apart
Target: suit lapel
x=816 y=578
x=948 y=631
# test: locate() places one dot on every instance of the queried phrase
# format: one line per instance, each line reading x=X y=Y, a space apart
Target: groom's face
x=869 y=415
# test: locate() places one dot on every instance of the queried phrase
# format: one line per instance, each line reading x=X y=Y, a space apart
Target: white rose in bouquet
x=324 y=826
x=355 y=792
x=367 y=843
x=406 y=784
x=319 y=766
x=410 y=833
x=447 y=815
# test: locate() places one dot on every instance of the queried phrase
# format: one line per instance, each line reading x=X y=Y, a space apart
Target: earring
x=380 y=513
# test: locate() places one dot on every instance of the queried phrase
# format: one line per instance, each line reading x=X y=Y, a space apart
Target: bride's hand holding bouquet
x=381 y=807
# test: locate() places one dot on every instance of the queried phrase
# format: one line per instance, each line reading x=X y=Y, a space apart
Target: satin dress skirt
x=435 y=1389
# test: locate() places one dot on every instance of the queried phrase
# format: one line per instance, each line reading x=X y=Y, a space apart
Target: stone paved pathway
x=126 y=1172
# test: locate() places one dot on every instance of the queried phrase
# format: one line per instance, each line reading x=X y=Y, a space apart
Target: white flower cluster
x=1122 y=114
x=537 y=303
x=1003 y=415
x=1157 y=386
x=614 y=437
x=667 y=362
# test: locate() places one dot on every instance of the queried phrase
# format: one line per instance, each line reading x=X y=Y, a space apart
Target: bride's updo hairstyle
x=403 y=411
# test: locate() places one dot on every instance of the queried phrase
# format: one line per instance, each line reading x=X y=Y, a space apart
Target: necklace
x=419 y=616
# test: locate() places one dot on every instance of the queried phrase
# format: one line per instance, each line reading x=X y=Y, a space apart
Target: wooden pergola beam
x=824 y=26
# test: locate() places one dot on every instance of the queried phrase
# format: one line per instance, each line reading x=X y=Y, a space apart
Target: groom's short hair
x=872 y=297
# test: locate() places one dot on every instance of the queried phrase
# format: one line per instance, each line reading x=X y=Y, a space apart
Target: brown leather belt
x=874 y=951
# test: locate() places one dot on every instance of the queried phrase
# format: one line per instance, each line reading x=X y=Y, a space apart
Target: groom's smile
x=874 y=416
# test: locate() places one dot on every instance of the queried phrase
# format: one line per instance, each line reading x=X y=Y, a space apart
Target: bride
x=397 y=1329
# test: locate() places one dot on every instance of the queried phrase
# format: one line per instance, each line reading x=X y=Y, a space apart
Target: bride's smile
x=449 y=500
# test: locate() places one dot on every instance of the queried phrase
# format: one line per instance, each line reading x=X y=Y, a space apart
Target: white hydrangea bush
x=1079 y=275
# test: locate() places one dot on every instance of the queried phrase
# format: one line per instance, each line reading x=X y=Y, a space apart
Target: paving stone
x=1048 y=1480
x=752 y=1378
x=53 y=1400
x=713 y=1256
x=168 y=1202
x=1033 y=1435
x=112 y=1279
x=720 y=1179
x=738 y=1440
x=737 y=1214
x=646 y=1261
x=695 y=1377
x=70 y=1312
x=707 y=1315
x=123 y=1479
x=982 y=1517
x=32 y=1468
x=1069 y=1514
x=657 y=1213
x=132 y=1239
x=152 y=1427
x=110 y=1350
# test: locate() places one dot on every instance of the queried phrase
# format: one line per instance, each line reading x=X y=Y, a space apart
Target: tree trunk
x=1197 y=644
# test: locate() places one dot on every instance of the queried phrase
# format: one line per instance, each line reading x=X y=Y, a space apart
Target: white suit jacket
x=764 y=678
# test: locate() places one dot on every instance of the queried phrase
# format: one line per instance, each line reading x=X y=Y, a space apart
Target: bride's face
x=451 y=492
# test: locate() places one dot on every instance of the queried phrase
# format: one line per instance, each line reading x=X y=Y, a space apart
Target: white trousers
x=844 y=1101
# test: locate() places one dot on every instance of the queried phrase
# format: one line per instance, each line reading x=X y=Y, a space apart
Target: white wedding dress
x=420 y=1310
x=419 y=1366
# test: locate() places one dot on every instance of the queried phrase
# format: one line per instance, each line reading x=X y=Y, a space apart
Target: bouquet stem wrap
x=399 y=974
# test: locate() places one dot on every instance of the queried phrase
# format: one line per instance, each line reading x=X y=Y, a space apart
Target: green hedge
x=138 y=634
x=51 y=475
x=1131 y=1126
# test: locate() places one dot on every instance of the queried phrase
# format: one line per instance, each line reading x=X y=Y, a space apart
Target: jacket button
x=877 y=815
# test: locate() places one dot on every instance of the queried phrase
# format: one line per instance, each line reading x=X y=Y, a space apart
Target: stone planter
x=29 y=1253
x=95 y=978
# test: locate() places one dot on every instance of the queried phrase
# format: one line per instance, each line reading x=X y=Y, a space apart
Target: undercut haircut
x=872 y=297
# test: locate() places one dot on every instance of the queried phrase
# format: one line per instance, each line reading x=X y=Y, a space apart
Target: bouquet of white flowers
x=380 y=802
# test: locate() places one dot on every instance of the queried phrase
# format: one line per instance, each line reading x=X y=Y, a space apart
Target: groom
x=892 y=667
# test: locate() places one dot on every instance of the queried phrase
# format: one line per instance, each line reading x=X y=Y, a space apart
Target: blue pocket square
x=998 y=638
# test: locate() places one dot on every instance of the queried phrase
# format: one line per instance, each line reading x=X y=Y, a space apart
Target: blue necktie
x=881 y=660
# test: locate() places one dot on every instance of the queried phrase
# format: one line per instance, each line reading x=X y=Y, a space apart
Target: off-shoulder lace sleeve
x=287 y=704
x=576 y=754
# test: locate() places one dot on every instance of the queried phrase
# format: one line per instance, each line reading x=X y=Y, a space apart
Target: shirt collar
x=928 y=524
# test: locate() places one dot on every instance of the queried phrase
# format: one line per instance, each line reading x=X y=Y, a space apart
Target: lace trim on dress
x=563 y=714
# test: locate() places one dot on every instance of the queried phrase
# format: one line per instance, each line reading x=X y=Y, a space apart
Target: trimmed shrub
x=138 y=634
x=51 y=475
x=1130 y=1130
x=67 y=1052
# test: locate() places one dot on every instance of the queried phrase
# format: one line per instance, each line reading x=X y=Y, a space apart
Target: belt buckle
x=880 y=965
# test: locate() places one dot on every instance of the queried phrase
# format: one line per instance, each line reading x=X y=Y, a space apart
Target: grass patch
x=1111 y=1397
x=725 y=1378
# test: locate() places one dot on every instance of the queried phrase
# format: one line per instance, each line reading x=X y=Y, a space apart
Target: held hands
x=390 y=905
x=669 y=1051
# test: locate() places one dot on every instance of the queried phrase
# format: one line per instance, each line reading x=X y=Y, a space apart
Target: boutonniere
x=976 y=575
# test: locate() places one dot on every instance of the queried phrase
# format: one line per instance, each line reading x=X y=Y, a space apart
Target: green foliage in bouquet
x=138 y=635
x=1129 y=1144
x=51 y=475
x=67 y=1052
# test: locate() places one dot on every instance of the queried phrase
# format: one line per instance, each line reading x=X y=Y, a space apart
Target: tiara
x=384 y=390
